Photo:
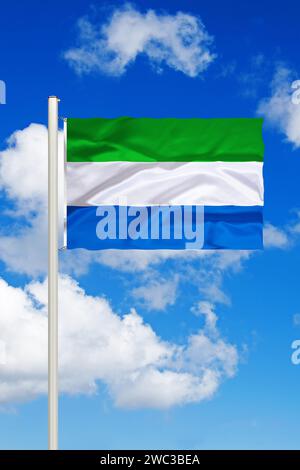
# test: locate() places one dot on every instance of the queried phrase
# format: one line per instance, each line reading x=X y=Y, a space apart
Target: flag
x=141 y=183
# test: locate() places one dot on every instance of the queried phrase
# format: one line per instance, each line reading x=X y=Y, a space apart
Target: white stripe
x=151 y=183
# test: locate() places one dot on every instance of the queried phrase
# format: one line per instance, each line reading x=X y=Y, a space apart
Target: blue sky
x=251 y=395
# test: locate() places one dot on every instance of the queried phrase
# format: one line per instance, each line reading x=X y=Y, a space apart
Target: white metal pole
x=53 y=272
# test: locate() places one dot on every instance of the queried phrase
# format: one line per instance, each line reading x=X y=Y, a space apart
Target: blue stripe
x=225 y=227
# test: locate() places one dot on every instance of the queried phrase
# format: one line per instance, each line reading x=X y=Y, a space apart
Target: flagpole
x=53 y=272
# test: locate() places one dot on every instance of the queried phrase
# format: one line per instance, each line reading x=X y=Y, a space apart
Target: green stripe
x=174 y=140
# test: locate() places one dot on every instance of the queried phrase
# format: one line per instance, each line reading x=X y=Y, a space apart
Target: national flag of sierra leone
x=141 y=183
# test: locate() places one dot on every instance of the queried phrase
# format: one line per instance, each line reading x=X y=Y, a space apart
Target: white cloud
x=285 y=236
x=206 y=309
x=163 y=389
x=275 y=237
x=17 y=178
x=179 y=41
x=157 y=294
x=279 y=110
x=26 y=251
x=232 y=260
x=203 y=350
x=23 y=177
x=211 y=281
x=137 y=366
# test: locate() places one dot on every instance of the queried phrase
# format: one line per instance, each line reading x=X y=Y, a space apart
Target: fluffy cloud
x=275 y=237
x=23 y=177
x=157 y=294
x=279 y=109
x=98 y=346
x=206 y=309
x=179 y=41
x=283 y=237
x=23 y=185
